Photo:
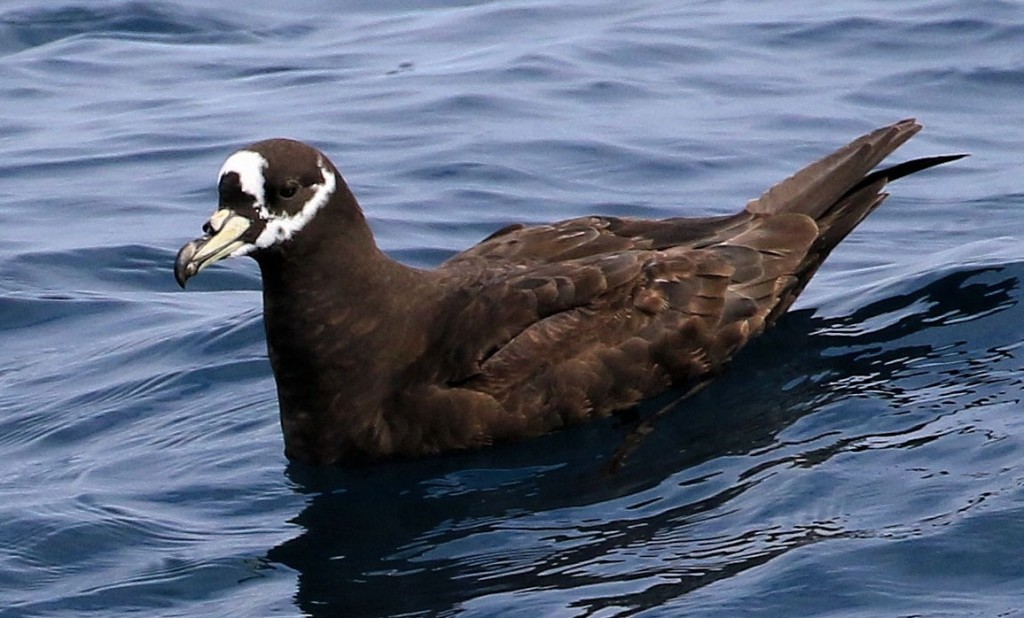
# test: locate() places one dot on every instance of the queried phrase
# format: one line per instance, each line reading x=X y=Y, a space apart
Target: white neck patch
x=280 y=228
x=249 y=166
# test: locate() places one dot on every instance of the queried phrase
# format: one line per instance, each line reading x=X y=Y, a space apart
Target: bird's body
x=534 y=328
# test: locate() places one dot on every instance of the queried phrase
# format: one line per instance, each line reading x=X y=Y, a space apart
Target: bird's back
x=580 y=318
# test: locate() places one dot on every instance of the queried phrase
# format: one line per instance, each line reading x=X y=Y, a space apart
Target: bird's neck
x=338 y=318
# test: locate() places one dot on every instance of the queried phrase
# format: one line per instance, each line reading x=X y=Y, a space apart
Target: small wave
x=29 y=28
x=35 y=27
x=84 y=272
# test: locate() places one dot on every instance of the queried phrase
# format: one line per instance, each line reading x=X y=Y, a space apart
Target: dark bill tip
x=184 y=266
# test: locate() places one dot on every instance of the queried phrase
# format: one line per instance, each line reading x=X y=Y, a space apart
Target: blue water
x=863 y=459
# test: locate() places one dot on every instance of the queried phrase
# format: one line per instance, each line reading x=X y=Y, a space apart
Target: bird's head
x=269 y=193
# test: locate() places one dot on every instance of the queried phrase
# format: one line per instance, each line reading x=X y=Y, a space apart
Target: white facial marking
x=249 y=166
x=282 y=227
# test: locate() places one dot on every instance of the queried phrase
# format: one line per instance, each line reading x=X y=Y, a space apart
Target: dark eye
x=288 y=189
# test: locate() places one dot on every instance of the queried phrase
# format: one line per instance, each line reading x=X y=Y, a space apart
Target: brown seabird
x=532 y=329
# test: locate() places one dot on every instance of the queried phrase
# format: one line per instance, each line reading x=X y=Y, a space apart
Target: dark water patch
x=478 y=104
x=278 y=79
x=643 y=54
x=961 y=296
x=540 y=68
x=958 y=26
x=21 y=312
x=991 y=82
x=28 y=28
x=860 y=30
x=476 y=25
x=603 y=91
x=133 y=268
x=46 y=164
x=460 y=173
x=882 y=33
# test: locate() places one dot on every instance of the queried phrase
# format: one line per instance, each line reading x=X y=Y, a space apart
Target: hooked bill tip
x=184 y=267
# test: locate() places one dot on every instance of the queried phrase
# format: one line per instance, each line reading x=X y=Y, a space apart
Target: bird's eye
x=288 y=189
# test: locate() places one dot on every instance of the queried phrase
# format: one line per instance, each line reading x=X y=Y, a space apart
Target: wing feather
x=590 y=315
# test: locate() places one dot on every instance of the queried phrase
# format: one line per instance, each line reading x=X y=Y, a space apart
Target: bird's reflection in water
x=420 y=537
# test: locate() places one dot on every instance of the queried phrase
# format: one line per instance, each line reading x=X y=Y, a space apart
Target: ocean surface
x=864 y=458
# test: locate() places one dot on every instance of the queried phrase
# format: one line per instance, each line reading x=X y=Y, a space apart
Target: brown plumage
x=534 y=328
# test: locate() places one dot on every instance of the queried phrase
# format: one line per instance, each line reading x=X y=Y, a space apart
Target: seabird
x=534 y=328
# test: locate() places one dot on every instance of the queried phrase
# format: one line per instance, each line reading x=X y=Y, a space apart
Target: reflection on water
x=693 y=505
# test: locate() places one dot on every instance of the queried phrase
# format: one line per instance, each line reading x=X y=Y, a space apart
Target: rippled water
x=862 y=459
